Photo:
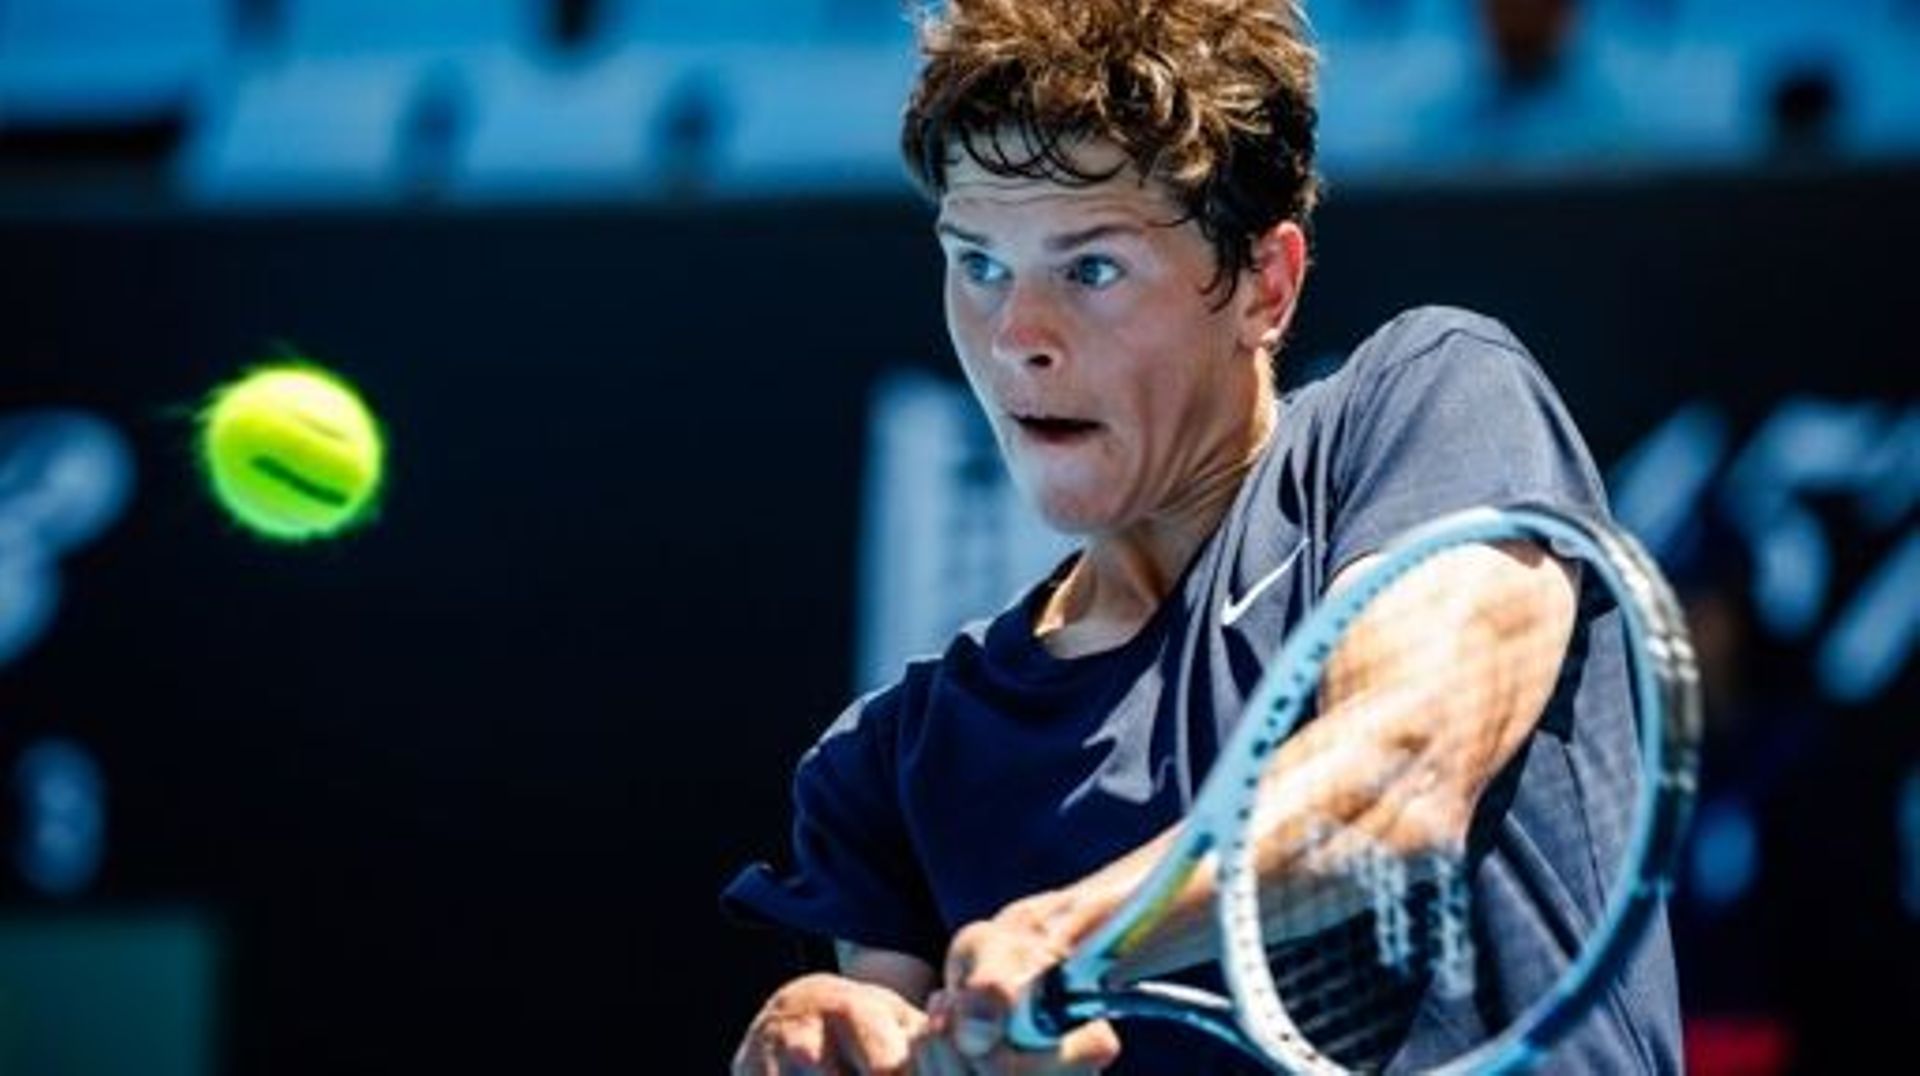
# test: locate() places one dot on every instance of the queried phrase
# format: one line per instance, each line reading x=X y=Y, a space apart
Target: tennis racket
x=1327 y=960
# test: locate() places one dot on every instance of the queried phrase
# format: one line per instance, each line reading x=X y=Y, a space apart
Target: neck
x=1122 y=576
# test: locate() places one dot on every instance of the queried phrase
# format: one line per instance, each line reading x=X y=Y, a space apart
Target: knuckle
x=968 y=939
x=818 y=982
x=990 y=983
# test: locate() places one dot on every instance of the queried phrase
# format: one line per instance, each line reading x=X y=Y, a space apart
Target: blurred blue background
x=679 y=463
x=300 y=102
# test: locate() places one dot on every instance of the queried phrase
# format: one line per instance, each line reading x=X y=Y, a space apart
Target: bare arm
x=1395 y=763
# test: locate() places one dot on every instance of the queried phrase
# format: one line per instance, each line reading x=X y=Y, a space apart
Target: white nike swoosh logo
x=1234 y=610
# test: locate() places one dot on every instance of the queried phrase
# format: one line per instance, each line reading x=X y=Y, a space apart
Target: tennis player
x=1124 y=188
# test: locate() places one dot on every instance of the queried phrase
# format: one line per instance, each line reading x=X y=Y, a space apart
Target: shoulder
x=1441 y=409
x=1434 y=334
x=1416 y=348
x=874 y=718
x=879 y=719
x=1439 y=367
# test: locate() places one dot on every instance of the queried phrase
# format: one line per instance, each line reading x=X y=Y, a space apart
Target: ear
x=1279 y=269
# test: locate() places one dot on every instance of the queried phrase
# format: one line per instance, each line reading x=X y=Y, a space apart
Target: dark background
x=458 y=792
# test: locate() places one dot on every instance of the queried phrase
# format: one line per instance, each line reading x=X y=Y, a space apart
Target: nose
x=1027 y=327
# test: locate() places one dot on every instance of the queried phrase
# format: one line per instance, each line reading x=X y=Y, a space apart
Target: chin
x=1069 y=514
x=1076 y=500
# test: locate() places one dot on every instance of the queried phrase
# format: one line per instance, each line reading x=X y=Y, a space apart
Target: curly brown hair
x=1213 y=98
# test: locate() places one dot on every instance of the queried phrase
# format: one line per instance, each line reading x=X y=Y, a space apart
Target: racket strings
x=1392 y=874
x=1354 y=990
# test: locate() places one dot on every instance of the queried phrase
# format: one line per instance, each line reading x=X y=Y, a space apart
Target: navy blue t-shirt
x=998 y=770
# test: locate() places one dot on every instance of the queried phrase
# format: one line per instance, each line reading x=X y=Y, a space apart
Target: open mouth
x=1053 y=429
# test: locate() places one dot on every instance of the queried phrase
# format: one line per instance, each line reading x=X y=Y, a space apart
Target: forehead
x=973 y=190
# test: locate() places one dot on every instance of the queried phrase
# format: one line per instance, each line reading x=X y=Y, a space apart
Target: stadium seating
x=85 y=62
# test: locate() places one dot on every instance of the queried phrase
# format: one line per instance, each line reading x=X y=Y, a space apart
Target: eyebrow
x=1055 y=243
x=957 y=232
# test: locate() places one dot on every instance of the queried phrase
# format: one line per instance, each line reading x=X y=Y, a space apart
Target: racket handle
x=1040 y=1018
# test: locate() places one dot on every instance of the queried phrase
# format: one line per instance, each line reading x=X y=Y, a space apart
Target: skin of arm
x=1397 y=765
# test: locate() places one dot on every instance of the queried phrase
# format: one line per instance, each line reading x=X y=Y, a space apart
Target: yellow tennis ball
x=292 y=452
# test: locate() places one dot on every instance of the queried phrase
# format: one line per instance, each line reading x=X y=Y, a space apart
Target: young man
x=1123 y=191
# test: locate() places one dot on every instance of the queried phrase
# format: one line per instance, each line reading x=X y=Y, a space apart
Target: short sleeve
x=854 y=874
x=1449 y=412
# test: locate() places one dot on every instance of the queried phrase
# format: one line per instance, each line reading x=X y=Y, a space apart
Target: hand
x=1083 y=1052
x=989 y=965
x=830 y=1025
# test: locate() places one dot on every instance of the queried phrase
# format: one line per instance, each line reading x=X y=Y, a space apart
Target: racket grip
x=1040 y=1017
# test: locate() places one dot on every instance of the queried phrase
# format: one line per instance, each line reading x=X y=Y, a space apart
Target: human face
x=1118 y=386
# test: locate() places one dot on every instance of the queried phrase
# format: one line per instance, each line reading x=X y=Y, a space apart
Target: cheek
x=965 y=324
x=966 y=334
x=1174 y=364
x=950 y=306
x=1212 y=350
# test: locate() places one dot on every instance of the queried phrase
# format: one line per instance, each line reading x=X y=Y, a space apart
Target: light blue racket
x=1327 y=972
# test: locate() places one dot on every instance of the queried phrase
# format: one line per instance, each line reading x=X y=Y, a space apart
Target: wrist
x=1057 y=919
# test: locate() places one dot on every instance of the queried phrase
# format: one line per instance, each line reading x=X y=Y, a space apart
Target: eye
x=980 y=269
x=1094 y=271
